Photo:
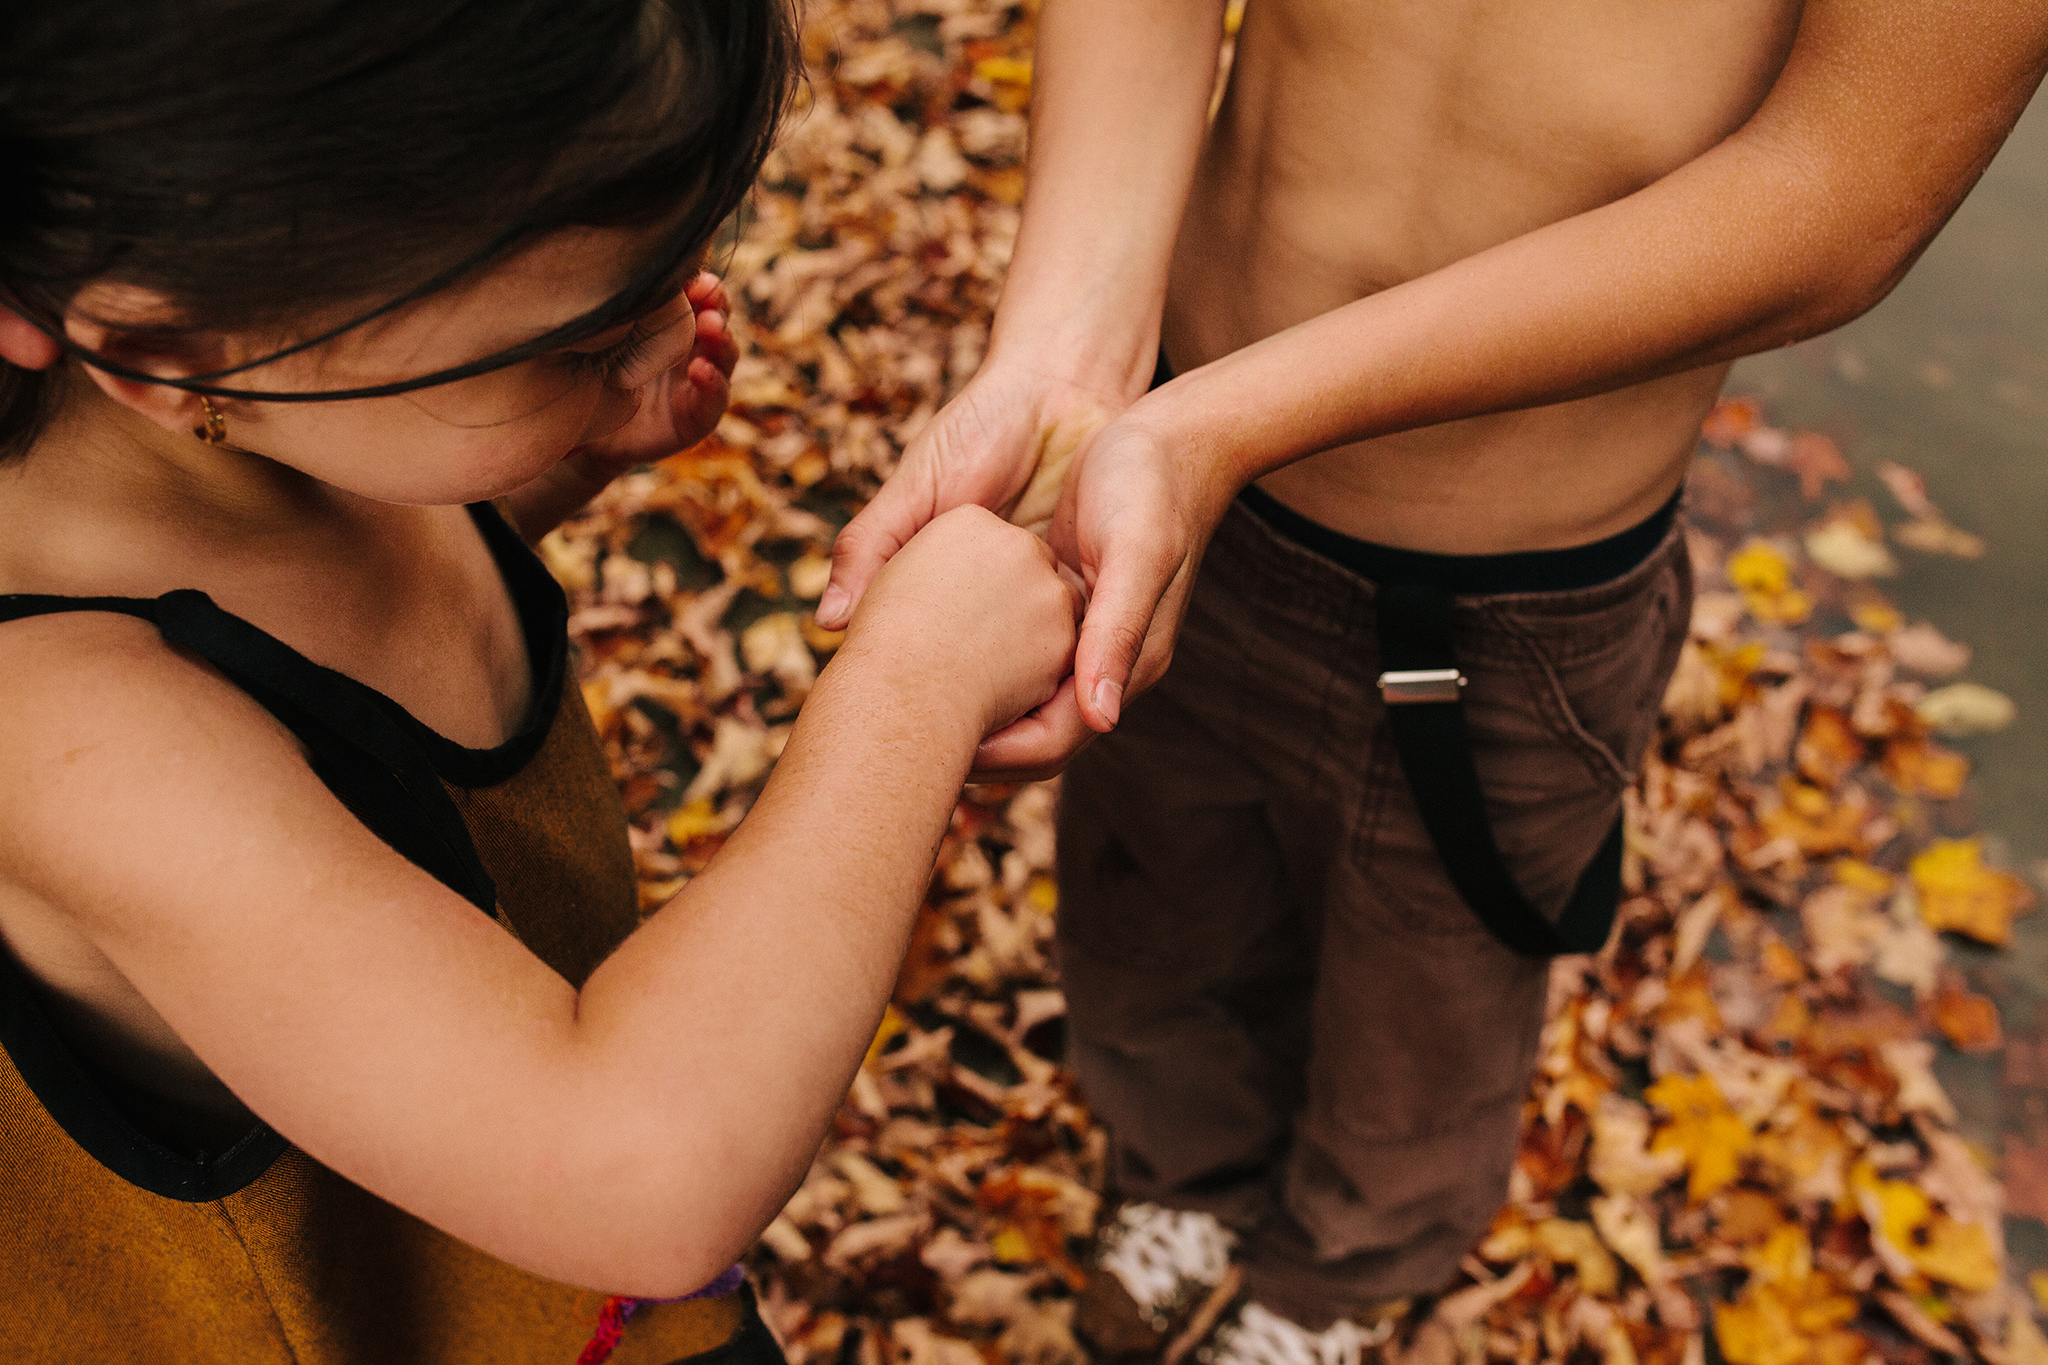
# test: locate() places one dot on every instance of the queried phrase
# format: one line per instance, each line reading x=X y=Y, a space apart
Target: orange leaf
x=1918 y=768
x=1828 y=746
x=1817 y=460
x=1968 y=1020
x=1730 y=421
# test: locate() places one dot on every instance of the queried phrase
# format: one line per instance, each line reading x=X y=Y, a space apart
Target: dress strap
x=378 y=761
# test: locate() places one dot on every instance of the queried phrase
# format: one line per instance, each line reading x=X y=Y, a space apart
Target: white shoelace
x=1156 y=1252
x=1262 y=1337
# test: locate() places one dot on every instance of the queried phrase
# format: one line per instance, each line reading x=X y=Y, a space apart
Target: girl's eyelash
x=613 y=359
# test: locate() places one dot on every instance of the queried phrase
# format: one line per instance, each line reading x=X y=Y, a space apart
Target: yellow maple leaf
x=1958 y=891
x=1762 y=574
x=1872 y=613
x=1769 y=1325
x=1861 y=876
x=1004 y=70
x=1812 y=818
x=1736 y=665
x=1576 y=1244
x=1940 y=1247
x=1757 y=1330
x=1010 y=1246
x=1789 y=1313
x=1702 y=1127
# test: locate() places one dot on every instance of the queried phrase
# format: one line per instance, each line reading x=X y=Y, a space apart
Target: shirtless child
x=1448 y=287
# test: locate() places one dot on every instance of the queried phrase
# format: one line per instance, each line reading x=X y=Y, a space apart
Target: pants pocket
x=1560 y=708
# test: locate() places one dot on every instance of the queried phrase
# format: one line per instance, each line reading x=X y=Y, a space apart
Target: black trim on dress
x=380 y=762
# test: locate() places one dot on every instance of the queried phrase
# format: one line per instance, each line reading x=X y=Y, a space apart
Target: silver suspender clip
x=1417 y=685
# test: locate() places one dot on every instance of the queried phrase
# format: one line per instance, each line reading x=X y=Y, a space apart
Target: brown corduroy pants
x=1278 y=1003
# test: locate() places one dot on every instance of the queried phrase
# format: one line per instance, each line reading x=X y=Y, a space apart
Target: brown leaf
x=1818 y=461
x=2024 y=1167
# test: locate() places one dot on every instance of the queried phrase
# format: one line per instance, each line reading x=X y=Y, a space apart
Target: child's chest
x=414 y=607
x=1394 y=137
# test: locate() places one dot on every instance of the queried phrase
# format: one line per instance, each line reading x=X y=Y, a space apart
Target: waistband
x=1566 y=570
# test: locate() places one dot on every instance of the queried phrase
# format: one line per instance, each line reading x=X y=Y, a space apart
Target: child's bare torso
x=1362 y=145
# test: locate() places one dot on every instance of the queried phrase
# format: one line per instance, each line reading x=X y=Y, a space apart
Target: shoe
x=1260 y=1336
x=1155 y=1270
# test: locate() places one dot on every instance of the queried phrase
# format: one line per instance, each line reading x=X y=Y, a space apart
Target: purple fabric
x=725 y=1284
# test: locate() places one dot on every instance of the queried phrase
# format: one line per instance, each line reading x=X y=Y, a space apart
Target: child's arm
x=677 y=409
x=635 y=1136
x=1884 y=116
x=1077 y=333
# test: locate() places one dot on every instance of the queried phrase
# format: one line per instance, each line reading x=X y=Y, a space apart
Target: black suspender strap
x=1421 y=689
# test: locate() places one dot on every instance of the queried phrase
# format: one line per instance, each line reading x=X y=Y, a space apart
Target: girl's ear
x=23 y=344
x=172 y=355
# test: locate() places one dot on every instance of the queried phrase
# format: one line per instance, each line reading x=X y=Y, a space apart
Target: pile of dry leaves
x=1736 y=1130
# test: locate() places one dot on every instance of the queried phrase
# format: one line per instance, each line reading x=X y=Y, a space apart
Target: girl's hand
x=972 y=614
x=1004 y=443
x=682 y=392
x=677 y=383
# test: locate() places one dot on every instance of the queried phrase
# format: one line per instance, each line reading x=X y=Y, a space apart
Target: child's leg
x=1184 y=950
x=1195 y=845
x=1426 y=1027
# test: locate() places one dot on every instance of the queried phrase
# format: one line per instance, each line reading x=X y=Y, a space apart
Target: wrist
x=1202 y=446
x=893 y=689
x=1111 y=352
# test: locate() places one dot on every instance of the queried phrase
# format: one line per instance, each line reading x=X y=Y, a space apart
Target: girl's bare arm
x=632 y=1137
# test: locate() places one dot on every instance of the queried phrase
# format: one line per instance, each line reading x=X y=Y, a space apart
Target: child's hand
x=681 y=402
x=971 y=612
x=676 y=387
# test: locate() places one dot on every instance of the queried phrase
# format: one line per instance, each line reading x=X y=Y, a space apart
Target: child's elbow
x=657 y=1257
x=1839 y=285
x=1866 y=278
x=671 y=1276
x=645 y=1230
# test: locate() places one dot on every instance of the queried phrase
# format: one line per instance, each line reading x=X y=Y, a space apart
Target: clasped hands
x=1126 y=515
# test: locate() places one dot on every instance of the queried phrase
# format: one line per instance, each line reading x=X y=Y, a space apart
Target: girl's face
x=477 y=437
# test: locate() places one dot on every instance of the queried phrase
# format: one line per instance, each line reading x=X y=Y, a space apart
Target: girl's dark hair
x=257 y=161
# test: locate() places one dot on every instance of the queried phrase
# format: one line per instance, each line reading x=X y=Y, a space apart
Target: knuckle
x=850 y=543
x=1126 y=641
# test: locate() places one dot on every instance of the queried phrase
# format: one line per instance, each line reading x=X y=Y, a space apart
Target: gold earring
x=214 y=430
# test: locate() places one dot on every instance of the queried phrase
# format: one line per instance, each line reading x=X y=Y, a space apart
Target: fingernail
x=831 y=606
x=1109 y=698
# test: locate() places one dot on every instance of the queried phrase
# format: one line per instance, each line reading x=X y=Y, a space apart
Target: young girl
x=329 y=1035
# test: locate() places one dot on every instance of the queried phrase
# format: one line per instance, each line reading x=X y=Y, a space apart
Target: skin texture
x=1455 y=277
x=214 y=924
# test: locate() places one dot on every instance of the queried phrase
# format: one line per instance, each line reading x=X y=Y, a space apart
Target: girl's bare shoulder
x=95 y=708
